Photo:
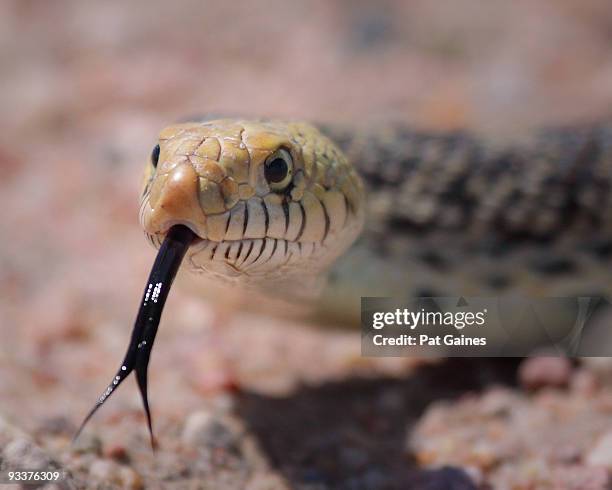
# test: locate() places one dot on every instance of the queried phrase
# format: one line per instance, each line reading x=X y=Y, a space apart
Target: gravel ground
x=247 y=400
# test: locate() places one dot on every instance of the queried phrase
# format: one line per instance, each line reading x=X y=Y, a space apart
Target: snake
x=326 y=214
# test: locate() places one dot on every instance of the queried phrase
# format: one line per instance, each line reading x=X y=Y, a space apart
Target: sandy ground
x=250 y=401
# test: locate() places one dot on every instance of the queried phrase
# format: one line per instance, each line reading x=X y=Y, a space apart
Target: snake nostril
x=155 y=156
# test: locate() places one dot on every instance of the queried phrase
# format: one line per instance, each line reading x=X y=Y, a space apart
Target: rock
x=23 y=453
x=216 y=381
x=584 y=382
x=8 y=432
x=117 y=452
x=498 y=402
x=58 y=425
x=130 y=479
x=539 y=372
x=88 y=443
x=223 y=403
x=105 y=471
x=204 y=429
x=18 y=451
x=601 y=453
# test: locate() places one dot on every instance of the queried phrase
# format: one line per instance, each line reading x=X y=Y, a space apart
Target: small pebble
x=117 y=452
x=88 y=443
x=539 y=372
x=601 y=453
x=223 y=402
x=584 y=382
x=104 y=471
x=23 y=453
x=216 y=381
x=497 y=402
x=130 y=479
x=58 y=425
x=204 y=429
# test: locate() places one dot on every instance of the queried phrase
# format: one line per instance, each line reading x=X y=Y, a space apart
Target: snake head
x=271 y=202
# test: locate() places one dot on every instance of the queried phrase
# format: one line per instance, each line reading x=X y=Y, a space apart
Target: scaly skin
x=277 y=237
x=447 y=214
x=272 y=205
x=451 y=214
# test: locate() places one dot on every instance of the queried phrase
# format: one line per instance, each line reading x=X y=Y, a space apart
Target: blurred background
x=265 y=403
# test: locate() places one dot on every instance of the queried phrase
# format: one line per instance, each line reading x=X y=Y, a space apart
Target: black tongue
x=164 y=269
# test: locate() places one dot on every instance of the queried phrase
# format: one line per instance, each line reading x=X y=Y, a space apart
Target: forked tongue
x=137 y=357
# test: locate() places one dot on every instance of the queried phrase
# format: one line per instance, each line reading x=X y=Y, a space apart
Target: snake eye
x=278 y=169
x=155 y=156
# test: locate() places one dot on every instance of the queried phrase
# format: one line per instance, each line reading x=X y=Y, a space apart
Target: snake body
x=444 y=213
x=273 y=207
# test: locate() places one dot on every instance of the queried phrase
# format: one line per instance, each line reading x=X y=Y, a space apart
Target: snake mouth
x=256 y=260
x=157 y=239
x=230 y=259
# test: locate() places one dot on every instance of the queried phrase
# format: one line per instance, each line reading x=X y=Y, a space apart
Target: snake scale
x=325 y=215
x=455 y=214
